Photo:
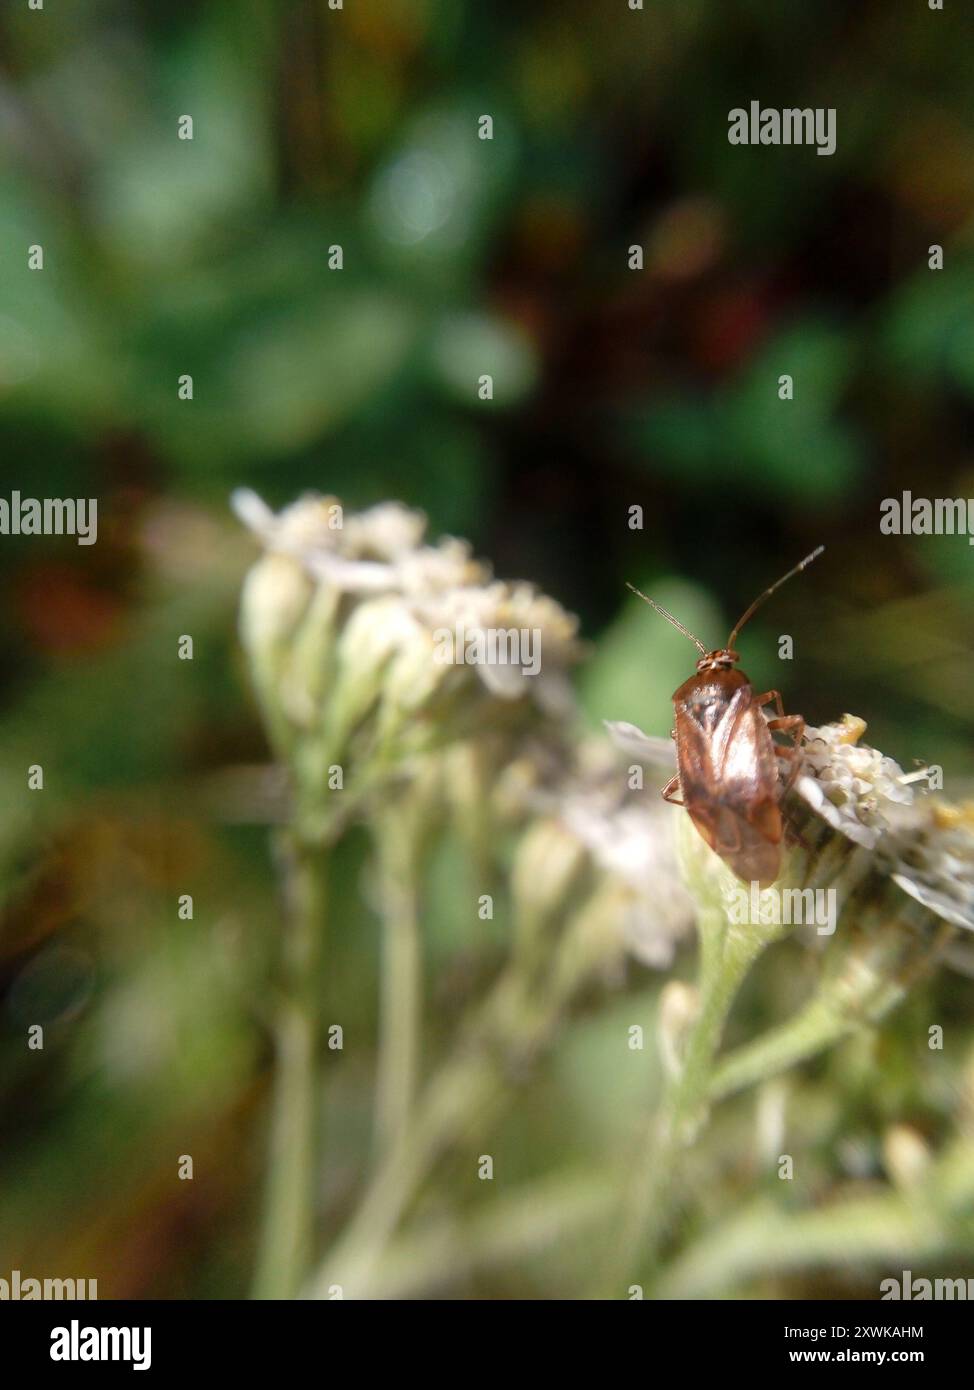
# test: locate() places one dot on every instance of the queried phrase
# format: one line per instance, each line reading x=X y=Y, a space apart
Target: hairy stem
x=512 y=1025
x=870 y=979
x=288 y=1216
x=448 y=1251
x=726 y=955
x=817 y=1028
x=401 y=979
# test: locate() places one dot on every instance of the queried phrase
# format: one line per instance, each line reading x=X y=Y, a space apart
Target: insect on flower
x=726 y=757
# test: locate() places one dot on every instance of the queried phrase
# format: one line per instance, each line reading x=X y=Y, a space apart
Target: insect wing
x=725 y=753
x=729 y=779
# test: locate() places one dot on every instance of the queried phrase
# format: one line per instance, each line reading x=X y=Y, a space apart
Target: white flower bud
x=275 y=597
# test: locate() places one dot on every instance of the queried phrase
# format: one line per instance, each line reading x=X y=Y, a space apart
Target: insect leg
x=787 y=723
x=793 y=759
x=667 y=792
x=793 y=835
x=793 y=756
x=794 y=726
x=791 y=724
x=774 y=695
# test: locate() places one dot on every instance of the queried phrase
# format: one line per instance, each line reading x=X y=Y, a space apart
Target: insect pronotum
x=726 y=757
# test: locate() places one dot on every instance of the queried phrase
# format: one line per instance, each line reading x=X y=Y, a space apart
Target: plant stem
x=930 y=1219
x=763 y=1239
x=401 y=979
x=512 y=1024
x=726 y=955
x=814 y=1030
x=464 y=1088
x=871 y=977
x=448 y=1251
x=288 y=1217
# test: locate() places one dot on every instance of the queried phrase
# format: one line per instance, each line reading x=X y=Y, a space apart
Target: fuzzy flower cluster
x=857 y=789
x=631 y=836
x=922 y=844
x=370 y=647
x=932 y=859
x=375 y=551
x=429 y=589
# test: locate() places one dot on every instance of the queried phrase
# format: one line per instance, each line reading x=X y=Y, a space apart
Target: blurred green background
x=613 y=388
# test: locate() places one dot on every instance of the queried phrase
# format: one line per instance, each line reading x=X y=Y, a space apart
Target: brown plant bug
x=726 y=758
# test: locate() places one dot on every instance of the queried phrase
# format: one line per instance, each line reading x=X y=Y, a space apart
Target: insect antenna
x=768 y=592
x=669 y=618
